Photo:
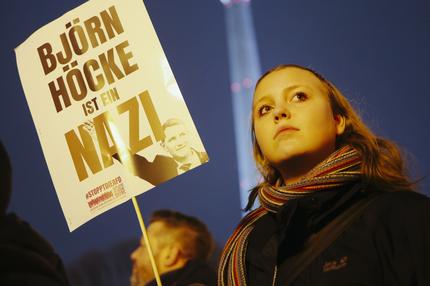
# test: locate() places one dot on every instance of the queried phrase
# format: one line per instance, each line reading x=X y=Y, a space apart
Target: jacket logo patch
x=336 y=264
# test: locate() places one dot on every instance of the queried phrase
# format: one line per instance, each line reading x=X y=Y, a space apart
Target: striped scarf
x=341 y=167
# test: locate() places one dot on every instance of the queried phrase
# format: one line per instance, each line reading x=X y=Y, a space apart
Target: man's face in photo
x=177 y=141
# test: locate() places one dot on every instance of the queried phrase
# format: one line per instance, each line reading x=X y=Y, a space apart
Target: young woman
x=337 y=207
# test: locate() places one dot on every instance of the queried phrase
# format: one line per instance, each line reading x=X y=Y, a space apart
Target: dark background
x=376 y=52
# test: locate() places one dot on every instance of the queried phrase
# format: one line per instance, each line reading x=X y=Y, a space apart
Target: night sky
x=376 y=52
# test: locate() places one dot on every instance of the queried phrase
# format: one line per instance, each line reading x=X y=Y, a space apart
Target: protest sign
x=107 y=109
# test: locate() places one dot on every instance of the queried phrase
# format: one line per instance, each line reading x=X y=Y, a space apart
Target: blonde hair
x=383 y=166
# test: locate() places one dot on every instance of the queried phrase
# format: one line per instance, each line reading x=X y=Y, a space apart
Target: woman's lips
x=285 y=129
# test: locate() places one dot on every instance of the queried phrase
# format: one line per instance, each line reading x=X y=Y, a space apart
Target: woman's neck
x=295 y=169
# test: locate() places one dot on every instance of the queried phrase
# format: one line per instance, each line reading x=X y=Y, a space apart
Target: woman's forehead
x=286 y=78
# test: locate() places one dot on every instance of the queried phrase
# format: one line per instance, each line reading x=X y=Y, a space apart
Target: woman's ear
x=340 y=122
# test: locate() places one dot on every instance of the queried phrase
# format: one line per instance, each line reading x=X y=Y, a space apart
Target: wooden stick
x=145 y=237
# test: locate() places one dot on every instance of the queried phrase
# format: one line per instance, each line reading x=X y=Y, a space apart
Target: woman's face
x=293 y=119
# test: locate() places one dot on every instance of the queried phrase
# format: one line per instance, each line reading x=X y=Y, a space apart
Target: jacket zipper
x=274 y=275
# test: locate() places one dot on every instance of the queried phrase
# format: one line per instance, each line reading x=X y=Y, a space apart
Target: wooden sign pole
x=145 y=237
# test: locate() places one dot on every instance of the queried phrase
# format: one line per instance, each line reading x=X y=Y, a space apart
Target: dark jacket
x=388 y=244
x=26 y=258
x=194 y=273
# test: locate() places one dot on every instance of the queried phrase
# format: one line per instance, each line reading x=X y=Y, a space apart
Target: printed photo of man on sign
x=182 y=156
x=108 y=111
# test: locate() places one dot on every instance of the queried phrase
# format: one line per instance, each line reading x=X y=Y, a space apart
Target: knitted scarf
x=341 y=167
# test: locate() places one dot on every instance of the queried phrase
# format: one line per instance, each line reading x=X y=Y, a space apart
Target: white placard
x=108 y=111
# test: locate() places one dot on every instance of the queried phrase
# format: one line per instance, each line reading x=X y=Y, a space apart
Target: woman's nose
x=280 y=113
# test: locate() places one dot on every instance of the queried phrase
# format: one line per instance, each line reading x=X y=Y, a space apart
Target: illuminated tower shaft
x=244 y=71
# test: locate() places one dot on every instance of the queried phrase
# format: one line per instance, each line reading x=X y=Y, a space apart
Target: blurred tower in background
x=244 y=71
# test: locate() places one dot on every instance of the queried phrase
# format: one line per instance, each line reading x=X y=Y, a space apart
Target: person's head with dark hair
x=175 y=239
x=193 y=235
x=5 y=179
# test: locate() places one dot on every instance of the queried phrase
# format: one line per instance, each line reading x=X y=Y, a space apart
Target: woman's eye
x=264 y=109
x=299 y=96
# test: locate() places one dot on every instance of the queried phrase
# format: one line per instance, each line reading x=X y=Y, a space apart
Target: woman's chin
x=288 y=151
